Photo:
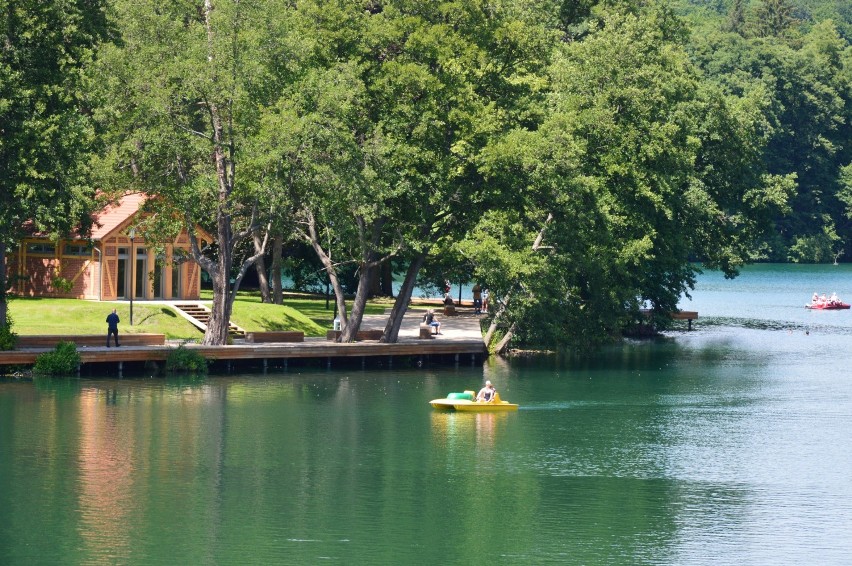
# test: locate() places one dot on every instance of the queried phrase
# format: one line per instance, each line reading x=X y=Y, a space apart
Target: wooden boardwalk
x=460 y=341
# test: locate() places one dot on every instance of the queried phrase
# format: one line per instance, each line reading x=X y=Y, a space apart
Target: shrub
x=182 y=359
x=7 y=337
x=62 y=284
x=63 y=360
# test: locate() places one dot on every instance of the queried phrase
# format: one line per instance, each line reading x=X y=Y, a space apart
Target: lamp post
x=132 y=235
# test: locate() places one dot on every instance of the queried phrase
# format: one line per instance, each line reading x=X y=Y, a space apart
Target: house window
x=77 y=249
x=41 y=249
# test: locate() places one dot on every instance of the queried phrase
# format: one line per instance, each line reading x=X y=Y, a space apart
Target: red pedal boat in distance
x=829 y=306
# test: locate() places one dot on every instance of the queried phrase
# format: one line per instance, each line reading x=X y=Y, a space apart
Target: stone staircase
x=199 y=316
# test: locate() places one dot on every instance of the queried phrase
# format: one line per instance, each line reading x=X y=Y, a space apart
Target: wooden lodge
x=112 y=263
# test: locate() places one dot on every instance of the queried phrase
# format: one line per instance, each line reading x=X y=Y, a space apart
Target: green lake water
x=726 y=445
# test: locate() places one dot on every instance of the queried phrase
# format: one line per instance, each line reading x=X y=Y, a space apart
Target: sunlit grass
x=74 y=316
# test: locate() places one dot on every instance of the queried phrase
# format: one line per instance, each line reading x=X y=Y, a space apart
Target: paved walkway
x=464 y=326
x=461 y=327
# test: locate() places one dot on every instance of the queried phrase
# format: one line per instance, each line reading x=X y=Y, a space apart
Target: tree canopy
x=583 y=159
x=46 y=131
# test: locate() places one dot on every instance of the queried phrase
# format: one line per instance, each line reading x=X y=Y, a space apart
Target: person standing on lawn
x=112 y=327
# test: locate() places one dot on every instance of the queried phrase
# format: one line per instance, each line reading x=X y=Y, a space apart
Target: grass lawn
x=75 y=316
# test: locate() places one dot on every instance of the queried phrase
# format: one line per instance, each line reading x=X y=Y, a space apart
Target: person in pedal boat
x=487 y=393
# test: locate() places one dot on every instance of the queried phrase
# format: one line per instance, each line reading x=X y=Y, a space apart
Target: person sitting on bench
x=429 y=318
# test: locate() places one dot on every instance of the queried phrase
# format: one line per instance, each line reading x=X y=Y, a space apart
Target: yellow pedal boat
x=467 y=402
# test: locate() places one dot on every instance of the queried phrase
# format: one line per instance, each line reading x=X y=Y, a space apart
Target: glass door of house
x=177 y=288
x=159 y=277
x=122 y=281
x=140 y=275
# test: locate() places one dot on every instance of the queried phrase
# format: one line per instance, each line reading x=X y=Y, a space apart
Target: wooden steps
x=199 y=316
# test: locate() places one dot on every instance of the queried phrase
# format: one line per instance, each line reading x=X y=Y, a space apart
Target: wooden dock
x=688 y=316
x=460 y=342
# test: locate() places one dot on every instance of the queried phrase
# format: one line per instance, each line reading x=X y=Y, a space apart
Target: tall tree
x=736 y=21
x=615 y=204
x=773 y=18
x=382 y=149
x=45 y=126
x=456 y=77
x=187 y=89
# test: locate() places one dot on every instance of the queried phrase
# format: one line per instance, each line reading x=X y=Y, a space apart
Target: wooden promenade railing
x=51 y=340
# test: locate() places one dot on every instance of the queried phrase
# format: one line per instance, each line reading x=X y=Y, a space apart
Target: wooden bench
x=361 y=335
x=426 y=331
x=275 y=336
x=51 y=340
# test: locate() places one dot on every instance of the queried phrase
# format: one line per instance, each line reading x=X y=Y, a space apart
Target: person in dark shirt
x=112 y=327
x=477 y=298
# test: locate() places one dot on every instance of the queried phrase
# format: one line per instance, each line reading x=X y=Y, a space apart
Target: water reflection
x=106 y=475
x=472 y=430
x=470 y=440
x=712 y=448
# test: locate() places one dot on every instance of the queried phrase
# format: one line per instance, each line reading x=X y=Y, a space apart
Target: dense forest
x=581 y=159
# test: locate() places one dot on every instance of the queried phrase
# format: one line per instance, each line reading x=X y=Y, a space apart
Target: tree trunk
x=353 y=323
x=375 y=281
x=4 y=306
x=260 y=267
x=370 y=264
x=387 y=279
x=492 y=328
x=325 y=258
x=394 y=323
x=220 y=317
x=503 y=345
x=277 y=292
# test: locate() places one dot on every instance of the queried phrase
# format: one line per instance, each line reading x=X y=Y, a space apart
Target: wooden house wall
x=37 y=271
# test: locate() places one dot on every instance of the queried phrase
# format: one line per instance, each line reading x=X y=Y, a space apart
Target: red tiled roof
x=114 y=215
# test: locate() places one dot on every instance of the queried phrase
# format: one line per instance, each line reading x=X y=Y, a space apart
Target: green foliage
x=574 y=156
x=816 y=248
x=798 y=95
x=46 y=120
x=183 y=359
x=182 y=97
x=773 y=18
x=638 y=169
x=63 y=360
x=62 y=284
x=8 y=338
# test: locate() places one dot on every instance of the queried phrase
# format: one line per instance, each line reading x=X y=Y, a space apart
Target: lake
x=727 y=444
